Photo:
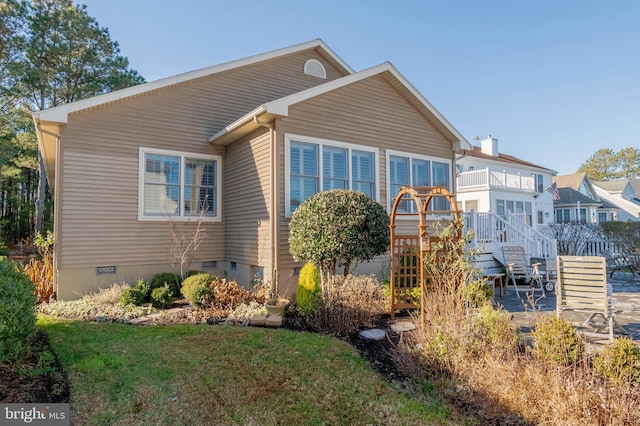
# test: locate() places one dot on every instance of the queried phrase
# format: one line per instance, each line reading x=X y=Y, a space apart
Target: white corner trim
x=59 y=114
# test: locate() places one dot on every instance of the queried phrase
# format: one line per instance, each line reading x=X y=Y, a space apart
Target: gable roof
x=476 y=152
x=280 y=107
x=570 y=181
x=635 y=184
x=60 y=113
x=613 y=186
x=571 y=197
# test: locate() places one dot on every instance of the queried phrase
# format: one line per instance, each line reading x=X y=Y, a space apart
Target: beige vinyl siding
x=371 y=113
x=98 y=193
x=247 y=195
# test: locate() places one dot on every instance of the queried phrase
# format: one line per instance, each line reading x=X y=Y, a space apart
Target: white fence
x=491 y=228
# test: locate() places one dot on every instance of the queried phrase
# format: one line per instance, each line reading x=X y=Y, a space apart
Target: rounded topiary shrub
x=17 y=311
x=161 y=297
x=136 y=295
x=619 y=361
x=556 y=341
x=308 y=288
x=196 y=287
x=337 y=227
x=166 y=278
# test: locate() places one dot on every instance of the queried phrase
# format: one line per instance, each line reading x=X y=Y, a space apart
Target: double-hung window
x=314 y=165
x=406 y=169
x=178 y=185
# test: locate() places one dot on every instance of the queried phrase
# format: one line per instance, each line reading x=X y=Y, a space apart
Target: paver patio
x=625 y=302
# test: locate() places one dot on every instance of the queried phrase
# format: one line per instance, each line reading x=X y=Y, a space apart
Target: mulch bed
x=18 y=386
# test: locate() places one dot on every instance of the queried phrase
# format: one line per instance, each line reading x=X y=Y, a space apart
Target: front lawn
x=198 y=374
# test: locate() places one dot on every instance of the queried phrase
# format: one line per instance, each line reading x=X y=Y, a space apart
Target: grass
x=197 y=374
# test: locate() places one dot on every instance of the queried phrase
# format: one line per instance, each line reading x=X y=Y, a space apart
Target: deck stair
x=491 y=232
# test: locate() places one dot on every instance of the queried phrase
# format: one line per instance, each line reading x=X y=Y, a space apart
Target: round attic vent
x=315 y=68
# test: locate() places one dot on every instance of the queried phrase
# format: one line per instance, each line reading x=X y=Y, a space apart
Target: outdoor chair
x=547 y=271
x=619 y=263
x=582 y=286
x=516 y=266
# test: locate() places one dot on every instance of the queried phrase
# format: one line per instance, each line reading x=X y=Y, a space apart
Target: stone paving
x=625 y=301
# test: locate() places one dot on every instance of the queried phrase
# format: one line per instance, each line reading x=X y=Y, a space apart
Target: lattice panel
x=407 y=267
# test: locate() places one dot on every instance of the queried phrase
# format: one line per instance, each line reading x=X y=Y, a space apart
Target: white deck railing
x=491 y=228
x=485 y=178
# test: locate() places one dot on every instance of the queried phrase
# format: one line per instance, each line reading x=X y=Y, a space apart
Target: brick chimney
x=489 y=146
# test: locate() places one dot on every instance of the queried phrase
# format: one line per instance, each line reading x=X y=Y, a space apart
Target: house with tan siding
x=235 y=147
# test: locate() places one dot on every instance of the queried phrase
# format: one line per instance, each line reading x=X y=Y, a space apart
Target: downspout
x=275 y=264
x=455 y=166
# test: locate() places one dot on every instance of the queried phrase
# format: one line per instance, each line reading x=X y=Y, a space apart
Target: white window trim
x=321 y=142
x=391 y=152
x=182 y=154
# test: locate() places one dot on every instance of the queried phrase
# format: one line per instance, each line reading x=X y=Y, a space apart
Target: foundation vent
x=105 y=270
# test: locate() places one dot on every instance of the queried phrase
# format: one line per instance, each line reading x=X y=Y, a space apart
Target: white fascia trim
x=281 y=106
x=504 y=165
x=238 y=123
x=463 y=143
x=60 y=114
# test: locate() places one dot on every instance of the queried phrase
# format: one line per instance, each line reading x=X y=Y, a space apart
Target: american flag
x=553 y=190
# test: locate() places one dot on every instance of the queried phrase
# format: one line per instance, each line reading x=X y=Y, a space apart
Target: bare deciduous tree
x=185 y=244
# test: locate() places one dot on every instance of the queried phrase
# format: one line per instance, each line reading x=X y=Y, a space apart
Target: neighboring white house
x=489 y=181
x=580 y=202
x=621 y=193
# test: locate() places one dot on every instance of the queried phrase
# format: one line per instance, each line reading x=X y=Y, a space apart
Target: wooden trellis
x=409 y=251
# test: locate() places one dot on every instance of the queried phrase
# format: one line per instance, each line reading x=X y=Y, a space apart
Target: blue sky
x=553 y=81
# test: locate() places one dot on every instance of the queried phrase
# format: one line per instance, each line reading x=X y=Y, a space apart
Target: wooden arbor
x=409 y=251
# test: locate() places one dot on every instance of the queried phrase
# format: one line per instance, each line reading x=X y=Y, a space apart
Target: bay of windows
x=415 y=170
x=315 y=165
x=178 y=185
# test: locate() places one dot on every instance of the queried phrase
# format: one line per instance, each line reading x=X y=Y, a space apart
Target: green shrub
x=619 y=361
x=4 y=250
x=308 y=288
x=497 y=327
x=161 y=297
x=136 y=295
x=336 y=227
x=166 y=278
x=196 y=288
x=476 y=293
x=556 y=341
x=17 y=311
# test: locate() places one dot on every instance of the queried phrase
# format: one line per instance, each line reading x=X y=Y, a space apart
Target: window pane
x=420 y=172
x=334 y=168
x=161 y=185
x=540 y=183
x=441 y=178
x=200 y=188
x=398 y=177
x=500 y=209
x=510 y=208
x=362 y=172
x=305 y=180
